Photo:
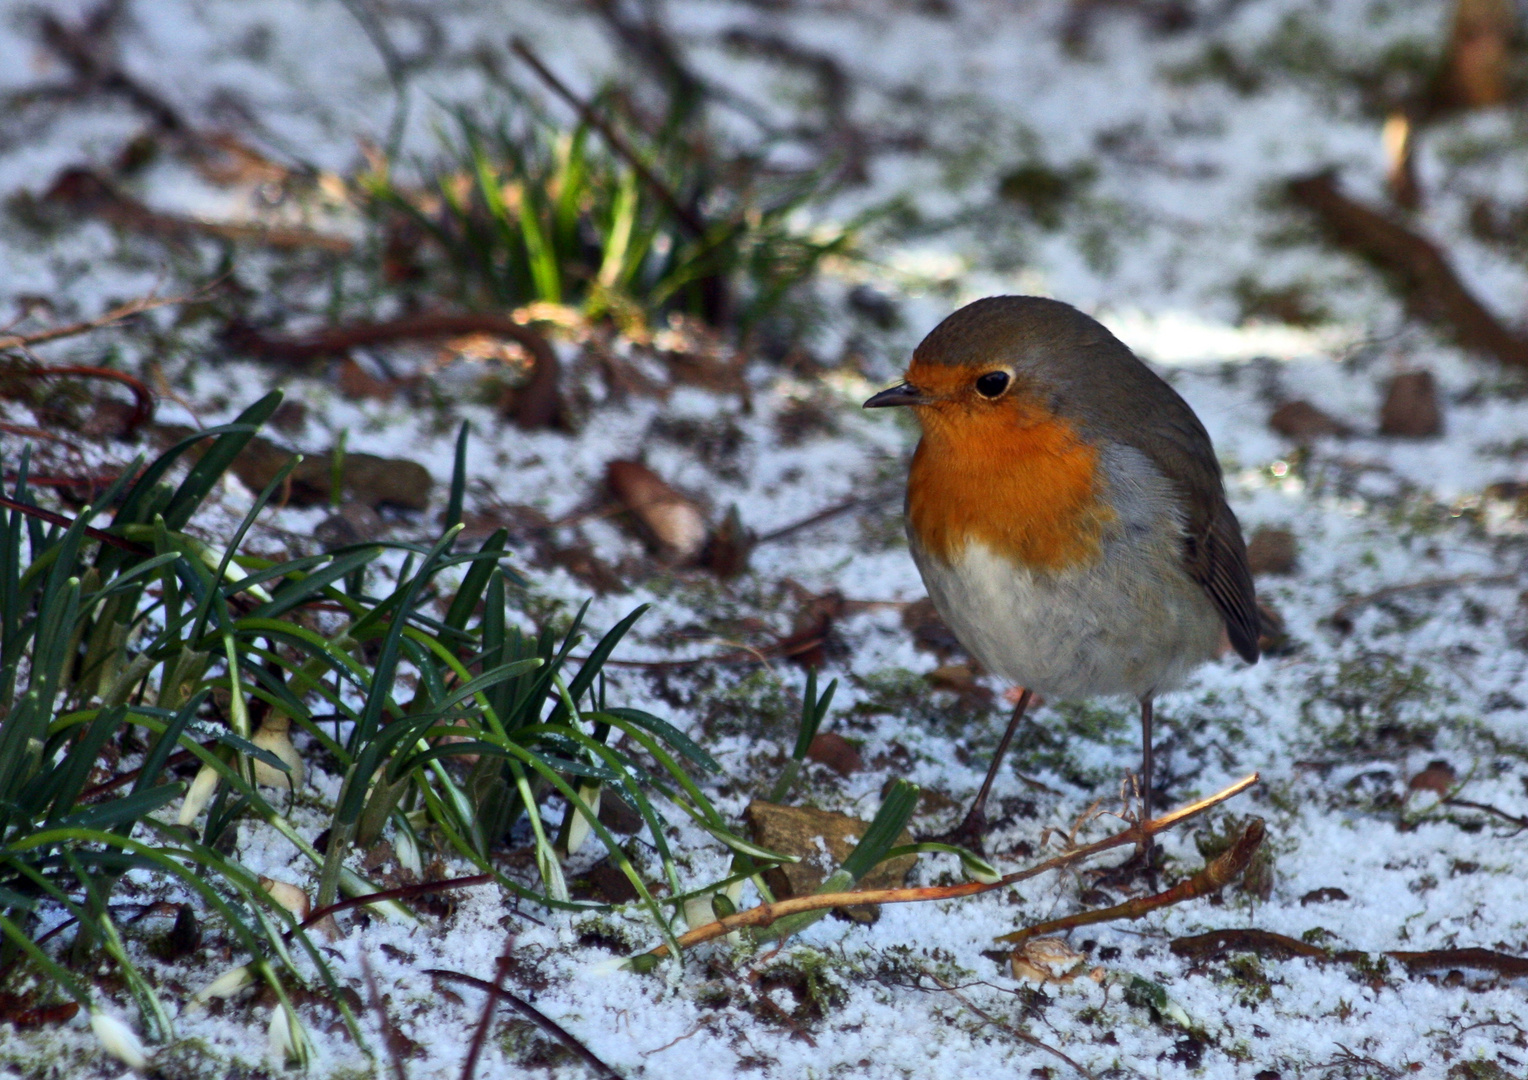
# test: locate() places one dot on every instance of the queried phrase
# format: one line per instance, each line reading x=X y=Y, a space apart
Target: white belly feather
x=1132 y=623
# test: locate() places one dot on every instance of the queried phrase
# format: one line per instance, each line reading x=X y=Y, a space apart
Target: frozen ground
x=1166 y=240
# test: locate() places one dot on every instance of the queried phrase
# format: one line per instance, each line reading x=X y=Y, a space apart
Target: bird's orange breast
x=1012 y=476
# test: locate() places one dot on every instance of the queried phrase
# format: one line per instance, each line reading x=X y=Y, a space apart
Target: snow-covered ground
x=1175 y=221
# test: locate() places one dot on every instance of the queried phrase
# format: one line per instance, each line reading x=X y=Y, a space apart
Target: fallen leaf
x=1411 y=407
x=1302 y=420
x=823 y=839
x=673 y=523
x=836 y=752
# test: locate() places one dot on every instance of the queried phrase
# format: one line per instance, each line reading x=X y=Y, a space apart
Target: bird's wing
x=1214 y=553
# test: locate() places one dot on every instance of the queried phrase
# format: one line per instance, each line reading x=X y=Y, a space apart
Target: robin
x=1067 y=513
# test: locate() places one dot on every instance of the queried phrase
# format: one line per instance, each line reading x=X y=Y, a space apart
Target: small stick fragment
x=1444 y=959
x=1342 y=618
x=1520 y=822
x=1220 y=872
x=535 y=1015
x=766 y=914
x=537 y=404
x=88 y=192
x=1015 y=1032
x=1250 y=939
x=115 y=315
x=1429 y=286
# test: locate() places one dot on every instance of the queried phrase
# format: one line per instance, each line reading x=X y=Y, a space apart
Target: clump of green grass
x=134 y=650
x=525 y=209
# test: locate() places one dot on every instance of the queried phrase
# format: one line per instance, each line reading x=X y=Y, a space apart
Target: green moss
x=812 y=977
x=758 y=703
x=1253 y=986
x=904 y=693
x=1372 y=703
x=1044 y=192
x=1054 y=741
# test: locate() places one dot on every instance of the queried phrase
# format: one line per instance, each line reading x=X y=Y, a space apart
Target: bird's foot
x=1142 y=867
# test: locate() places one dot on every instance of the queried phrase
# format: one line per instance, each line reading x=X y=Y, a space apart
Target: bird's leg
x=1146 y=763
x=969 y=832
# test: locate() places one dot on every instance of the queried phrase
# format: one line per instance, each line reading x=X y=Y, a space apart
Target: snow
x=1182 y=207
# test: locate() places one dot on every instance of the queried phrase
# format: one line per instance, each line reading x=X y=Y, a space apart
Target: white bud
x=284 y=1045
x=698 y=911
x=551 y=873
x=118 y=1040
x=407 y=852
x=979 y=869
x=288 y=896
x=198 y=795
x=278 y=741
x=579 y=828
x=225 y=985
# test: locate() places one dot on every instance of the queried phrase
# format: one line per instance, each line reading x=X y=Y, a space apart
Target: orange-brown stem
x=765 y=914
x=1219 y=873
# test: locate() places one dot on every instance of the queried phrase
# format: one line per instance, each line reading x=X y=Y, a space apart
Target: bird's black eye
x=992 y=384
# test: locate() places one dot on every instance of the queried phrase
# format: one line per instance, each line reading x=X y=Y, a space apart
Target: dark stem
x=1146 y=768
x=535 y=1015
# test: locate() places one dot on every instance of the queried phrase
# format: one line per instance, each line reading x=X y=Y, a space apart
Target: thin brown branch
x=27 y=432
x=1250 y=939
x=766 y=914
x=816 y=519
x=536 y=1016
x=537 y=404
x=85 y=49
x=617 y=142
x=1023 y=1037
x=87 y=192
x=1447 y=959
x=1520 y=822
x=143 y=397
x=1342 y=618
x=1200 y=947
x=402 y=892
x=384 y=1022
x=115 y=315
x=485 y=1020
x=1216 y=875
x=1421 y=272
x=90 y=531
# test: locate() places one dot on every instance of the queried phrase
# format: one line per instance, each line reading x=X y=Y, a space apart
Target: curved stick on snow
x=765 y=914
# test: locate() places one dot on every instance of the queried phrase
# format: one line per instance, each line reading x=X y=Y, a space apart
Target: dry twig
x=537 y=404
x=1342 y=618
x=1216 y=875
x=1427 y=282
x=533 y=1014
x=1520 y=822
x=766 y=914
x=115 y=315
x=1200 y=947
x=88 y=192
x=378 y=1006
x=1015 y=1032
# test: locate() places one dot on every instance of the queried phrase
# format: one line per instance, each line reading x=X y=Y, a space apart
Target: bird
x=1068 y=516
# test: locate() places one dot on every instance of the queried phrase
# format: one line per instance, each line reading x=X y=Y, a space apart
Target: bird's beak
x=901 y=394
